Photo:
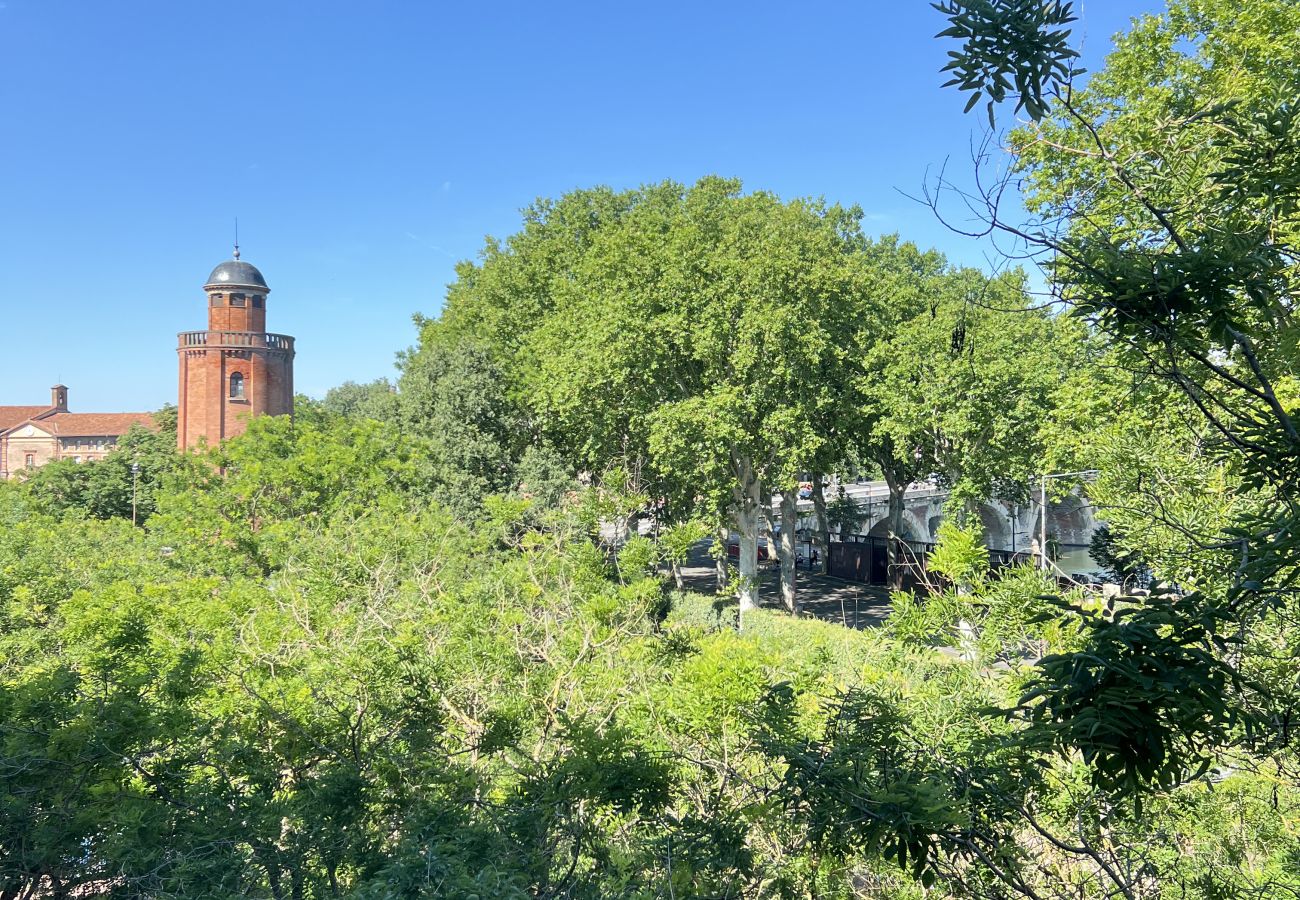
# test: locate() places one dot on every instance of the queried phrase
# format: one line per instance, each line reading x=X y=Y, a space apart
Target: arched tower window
x=236 y=386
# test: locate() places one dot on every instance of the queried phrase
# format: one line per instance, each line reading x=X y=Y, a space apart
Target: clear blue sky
x=367 y=147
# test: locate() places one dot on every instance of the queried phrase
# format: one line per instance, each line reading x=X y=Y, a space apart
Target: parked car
x=733 y=550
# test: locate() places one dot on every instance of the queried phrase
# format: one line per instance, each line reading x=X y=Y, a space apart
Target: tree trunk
x=821 y=526
x=273 y=879
x=747 y=516
x=747 y=525
x=896 y=495
x=766 y=527
x=786 y=548
x=678 y=580
x=720 y=561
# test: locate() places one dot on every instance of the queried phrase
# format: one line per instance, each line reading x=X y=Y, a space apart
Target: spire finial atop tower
x=236 y=237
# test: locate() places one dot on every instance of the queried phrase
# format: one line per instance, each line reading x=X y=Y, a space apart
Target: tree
x=1164 y=191
x=454 y=398
x=123 y=484
x=374 y=400
x=543 y=476
x=303 y=678
x=692 y=336
x=959 y=383
x=1165 y=205
x=591 y=322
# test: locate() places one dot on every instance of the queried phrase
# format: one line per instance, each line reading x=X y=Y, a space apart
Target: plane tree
x=714 y=345
x=695 y=335
x=958 y=382
x=496 y=302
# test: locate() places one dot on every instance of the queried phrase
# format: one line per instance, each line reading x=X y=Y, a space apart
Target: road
x=829 y=599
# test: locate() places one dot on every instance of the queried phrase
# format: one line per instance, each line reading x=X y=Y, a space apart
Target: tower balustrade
x=223 y=339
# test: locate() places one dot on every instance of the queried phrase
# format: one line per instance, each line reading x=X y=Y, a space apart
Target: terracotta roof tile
x=14 y=415
x=94 y=424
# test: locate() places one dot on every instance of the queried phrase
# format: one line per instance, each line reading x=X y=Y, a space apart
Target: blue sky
x=367 y=147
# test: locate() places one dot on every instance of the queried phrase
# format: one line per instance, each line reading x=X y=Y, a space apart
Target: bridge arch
x=912 y=528
x=997 y=530
x=933 y=525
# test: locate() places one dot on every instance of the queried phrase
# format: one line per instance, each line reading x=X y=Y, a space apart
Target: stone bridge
x=1013 y=528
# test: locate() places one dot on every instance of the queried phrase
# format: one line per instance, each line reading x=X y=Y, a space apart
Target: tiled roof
x=13 y=415
x=94 y=424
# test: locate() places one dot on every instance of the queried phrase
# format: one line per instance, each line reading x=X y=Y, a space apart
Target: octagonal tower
x=236 y=369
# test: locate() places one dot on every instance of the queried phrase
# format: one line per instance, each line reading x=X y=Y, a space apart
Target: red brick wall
x=205 y=406
x=236 y=318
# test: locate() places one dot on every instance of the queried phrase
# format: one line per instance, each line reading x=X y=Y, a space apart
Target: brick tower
x=235 y=369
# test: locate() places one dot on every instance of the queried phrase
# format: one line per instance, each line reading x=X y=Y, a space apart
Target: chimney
x=59 y=397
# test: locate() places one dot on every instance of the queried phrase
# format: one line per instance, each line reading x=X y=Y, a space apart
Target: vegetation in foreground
x=304 y=678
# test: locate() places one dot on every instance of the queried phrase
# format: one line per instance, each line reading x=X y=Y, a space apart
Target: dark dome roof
x=236 y=273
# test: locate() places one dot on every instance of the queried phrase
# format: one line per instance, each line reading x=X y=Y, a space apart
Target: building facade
x=31 y=436
x=230 y=372
x=235 y=369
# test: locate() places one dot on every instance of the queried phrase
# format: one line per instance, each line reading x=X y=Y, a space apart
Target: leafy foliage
x=129 y=477
x=1165 y=222
x=1009 y=48
x=375 y=400
x=395 y=647
x=960 y=555
x=1153 y=672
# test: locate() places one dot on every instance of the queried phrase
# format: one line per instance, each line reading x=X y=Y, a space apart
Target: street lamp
x=135 y=483
x=1042 y=517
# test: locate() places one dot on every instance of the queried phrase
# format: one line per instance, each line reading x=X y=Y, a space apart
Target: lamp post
x=135 y=483
x=1042 y=516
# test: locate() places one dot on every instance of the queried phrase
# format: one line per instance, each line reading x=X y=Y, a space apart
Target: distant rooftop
x=94 y=424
